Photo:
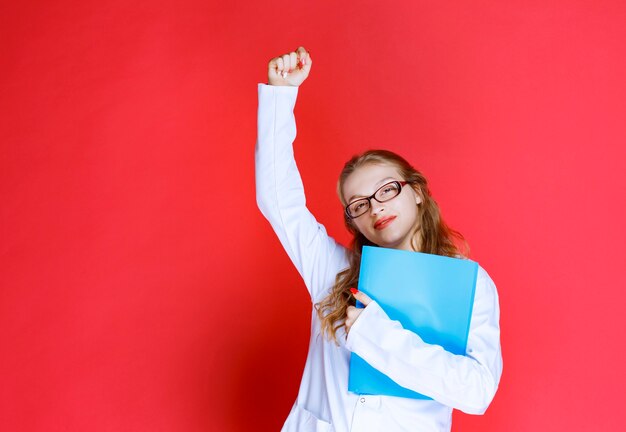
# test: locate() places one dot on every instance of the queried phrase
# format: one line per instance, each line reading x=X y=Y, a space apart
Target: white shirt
x=468 y=382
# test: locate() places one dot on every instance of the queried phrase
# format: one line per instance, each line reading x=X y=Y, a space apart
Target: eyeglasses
x=386 y=192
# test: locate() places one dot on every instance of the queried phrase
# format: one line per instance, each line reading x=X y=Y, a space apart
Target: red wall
x=141 y=288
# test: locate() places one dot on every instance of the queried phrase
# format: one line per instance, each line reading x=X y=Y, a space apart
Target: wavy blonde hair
x=432 y=234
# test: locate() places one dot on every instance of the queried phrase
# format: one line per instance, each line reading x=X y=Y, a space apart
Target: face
x=391 y=223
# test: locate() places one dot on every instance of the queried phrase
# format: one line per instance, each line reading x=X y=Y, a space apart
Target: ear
x=350 y=225
x=418 y=195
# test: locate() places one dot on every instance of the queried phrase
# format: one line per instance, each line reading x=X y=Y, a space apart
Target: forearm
x=466 y=382
x=280 y=193
x=276 y=172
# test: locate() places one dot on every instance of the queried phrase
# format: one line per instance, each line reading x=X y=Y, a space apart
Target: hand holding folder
x=430 y=295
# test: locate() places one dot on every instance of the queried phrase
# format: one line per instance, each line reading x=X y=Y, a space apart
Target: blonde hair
x=435 y=237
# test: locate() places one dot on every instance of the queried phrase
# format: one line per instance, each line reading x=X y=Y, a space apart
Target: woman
x=388 y=204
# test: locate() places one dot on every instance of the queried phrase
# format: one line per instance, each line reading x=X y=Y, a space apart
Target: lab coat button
x=362 y=400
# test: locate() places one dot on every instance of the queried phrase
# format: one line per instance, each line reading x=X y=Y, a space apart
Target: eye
x=356 y=207
x=388 y=190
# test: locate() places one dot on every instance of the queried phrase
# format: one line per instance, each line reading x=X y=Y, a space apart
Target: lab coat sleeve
x=280 y=193
x=467 y=383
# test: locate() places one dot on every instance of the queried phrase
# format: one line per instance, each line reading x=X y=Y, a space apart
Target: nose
x=376 y=207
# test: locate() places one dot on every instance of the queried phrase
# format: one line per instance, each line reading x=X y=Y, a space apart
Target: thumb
x=361 y=296
x=306 y=62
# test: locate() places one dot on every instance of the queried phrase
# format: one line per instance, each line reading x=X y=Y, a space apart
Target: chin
x=387 y=243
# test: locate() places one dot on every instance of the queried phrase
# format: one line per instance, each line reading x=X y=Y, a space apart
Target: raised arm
x=279 y=189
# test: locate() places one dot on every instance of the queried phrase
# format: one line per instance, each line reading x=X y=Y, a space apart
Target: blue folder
x=431 y=295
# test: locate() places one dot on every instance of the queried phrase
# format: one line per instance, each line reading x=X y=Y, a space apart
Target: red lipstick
x=383 y=222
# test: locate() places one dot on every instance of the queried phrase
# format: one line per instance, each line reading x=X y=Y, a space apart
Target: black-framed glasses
x=386 y=192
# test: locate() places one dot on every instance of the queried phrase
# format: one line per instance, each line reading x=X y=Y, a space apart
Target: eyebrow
x=377 y=185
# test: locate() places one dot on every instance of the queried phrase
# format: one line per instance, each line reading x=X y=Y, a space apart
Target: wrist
x=279 y=83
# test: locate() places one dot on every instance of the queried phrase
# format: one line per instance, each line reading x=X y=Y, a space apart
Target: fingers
x=361 y=296
x=352 y=314
x=275 y=66
x=290 y=68
x=286 y=58
x=289 y=62
x=294 y=61
x=281 y=64
x=302 y=56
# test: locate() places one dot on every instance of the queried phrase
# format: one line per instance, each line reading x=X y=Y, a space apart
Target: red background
x=143 y=290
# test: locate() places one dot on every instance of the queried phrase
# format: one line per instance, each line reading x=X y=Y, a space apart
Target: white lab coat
x=466 y=382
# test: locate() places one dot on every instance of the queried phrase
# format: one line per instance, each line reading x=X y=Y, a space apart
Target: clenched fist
x=289 y=69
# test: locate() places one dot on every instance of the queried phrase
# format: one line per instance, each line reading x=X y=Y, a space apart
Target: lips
x=383 y=222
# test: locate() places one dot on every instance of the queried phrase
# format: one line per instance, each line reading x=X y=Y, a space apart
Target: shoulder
x=486 y=295
x=483 y=280
x=483 y=276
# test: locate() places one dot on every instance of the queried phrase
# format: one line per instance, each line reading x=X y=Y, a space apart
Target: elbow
x=263 y=193
x=484 y=392
x=263 y=204
x=262 y=182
